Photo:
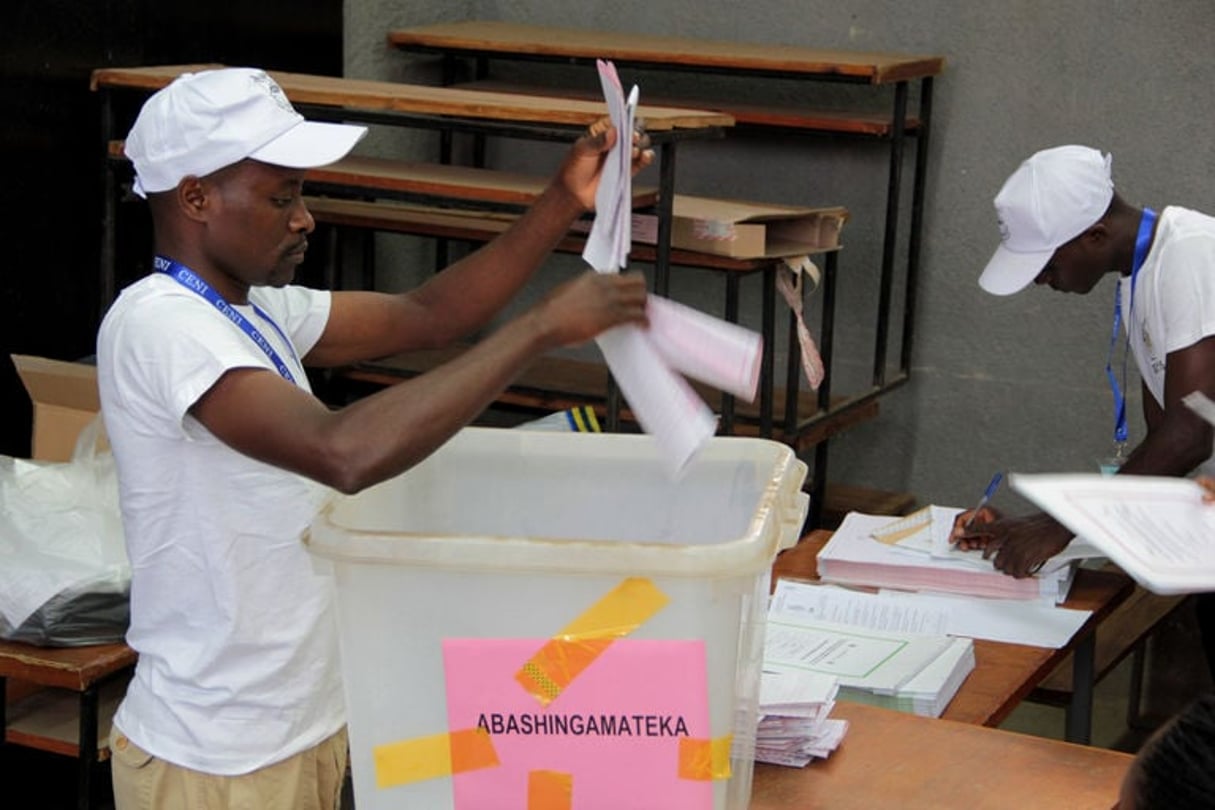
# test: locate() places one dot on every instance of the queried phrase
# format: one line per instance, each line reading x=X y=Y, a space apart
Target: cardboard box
x=752 y=230
x=65 y=400
x=743 y=229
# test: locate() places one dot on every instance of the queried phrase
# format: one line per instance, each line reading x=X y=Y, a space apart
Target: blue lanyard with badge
x=1142 y=240
x=190 y=280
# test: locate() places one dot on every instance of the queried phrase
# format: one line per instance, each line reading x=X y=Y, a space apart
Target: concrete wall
x=1015 y=383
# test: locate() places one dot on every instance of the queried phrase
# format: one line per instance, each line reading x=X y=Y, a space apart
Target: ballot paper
x=647 y=364
x=795 y=726
x=1156 y=528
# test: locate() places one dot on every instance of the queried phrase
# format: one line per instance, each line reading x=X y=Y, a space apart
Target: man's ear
x=1096 y=235
x=193 y=198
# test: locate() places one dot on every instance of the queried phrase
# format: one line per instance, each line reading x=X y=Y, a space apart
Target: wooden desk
x=483 y=41
x=895 y=759
x=85 y=671
x=1005 y=674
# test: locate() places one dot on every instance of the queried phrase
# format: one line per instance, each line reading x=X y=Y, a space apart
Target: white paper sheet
x=1015 y=621
x=665 y=405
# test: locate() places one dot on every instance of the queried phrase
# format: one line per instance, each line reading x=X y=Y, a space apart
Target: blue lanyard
x=190 y=280
x=1146 y=224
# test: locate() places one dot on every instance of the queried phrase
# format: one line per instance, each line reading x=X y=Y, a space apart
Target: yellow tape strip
x=705 y=759
x=431 y=757
x=585 y=419
x=563 y=657
x=550 y=790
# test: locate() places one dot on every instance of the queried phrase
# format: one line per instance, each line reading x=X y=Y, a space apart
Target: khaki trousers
x=310 y=780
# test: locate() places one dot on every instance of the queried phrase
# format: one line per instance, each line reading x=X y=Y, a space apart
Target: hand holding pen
x=963 y=530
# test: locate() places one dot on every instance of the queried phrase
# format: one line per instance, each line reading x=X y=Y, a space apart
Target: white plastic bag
x=64 y=575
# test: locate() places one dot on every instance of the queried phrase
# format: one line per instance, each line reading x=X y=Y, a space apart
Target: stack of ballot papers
x=878 y=651
x=914 y=553
x=650 y=365
x=794 y=726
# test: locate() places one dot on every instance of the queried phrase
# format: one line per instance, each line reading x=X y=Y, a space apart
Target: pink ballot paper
x=646 y=363
x=716 y=352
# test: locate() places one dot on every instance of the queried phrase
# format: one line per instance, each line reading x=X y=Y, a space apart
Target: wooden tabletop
x=64 y=667
x=896 y=759
x=484 y=37
x=376 y=96
x=1004 y=673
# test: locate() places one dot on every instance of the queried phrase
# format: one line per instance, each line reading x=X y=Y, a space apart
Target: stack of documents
x=913 y=553
x=929 y=692
x=882 y=651
x=794 y=726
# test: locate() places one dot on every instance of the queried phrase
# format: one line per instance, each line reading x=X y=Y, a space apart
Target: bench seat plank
x=490 y=37
x=379 y=96
x=877 y=124
x=556 y=382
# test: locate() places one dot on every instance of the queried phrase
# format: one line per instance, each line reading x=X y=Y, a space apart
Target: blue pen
x=987 y=496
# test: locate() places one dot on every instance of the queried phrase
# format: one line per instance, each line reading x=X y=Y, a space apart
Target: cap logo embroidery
x=270 y=87
x=1004 y=232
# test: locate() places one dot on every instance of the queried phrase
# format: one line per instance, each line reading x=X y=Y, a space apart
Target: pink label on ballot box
x=614 y=730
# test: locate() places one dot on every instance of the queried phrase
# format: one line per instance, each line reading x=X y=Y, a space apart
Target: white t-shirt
x=1174 y=300
x=237 y=641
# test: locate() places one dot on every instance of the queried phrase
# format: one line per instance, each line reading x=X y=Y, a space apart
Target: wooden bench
x=1126 y=631
x=776 y=79
x=767 y=116
x=70 y=712
x=384 y=177
x=556 y=384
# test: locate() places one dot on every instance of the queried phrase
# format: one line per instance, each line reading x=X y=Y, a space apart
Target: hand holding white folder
x=644 y=362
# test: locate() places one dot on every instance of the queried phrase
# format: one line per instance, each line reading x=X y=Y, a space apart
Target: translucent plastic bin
x=509 y=535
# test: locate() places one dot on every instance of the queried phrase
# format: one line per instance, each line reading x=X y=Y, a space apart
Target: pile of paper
x=795 y=727
x=914 y=553
x=881 y=651
x=929 y=692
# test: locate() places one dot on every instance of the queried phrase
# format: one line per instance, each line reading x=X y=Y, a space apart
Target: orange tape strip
x=705 y=759
x=563 y=657
x=431 y=757
x=550 y=790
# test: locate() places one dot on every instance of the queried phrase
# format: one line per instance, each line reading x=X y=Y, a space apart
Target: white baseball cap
x=1053 y=197
x=202 y=122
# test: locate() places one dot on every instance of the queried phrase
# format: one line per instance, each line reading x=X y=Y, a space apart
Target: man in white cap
x=1062 y=224
x=223 y=452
